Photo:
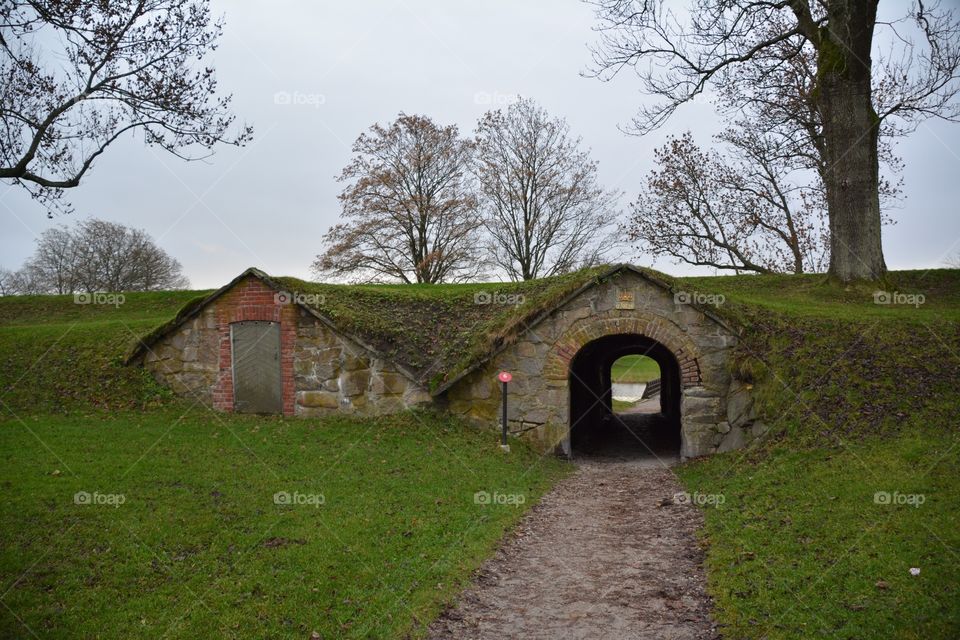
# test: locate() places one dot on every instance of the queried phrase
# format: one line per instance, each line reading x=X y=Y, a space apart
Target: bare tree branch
x=104 y=70
x=543 y=208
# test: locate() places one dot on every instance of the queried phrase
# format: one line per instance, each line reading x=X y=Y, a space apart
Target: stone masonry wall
x=187 y=360
x=333 y=374
x=321 y=371
x=716 y=410
x=195 y=359
x=325 y=372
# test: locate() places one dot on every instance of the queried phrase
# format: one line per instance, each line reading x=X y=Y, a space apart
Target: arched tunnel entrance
x=595 y=428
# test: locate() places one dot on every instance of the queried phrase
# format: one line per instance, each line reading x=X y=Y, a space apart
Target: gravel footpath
x=606 y=554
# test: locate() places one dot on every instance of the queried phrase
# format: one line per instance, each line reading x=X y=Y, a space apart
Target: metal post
x=503 y=417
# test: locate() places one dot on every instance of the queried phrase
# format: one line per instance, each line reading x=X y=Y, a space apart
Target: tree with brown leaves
x=410 y=207
x=735 y=210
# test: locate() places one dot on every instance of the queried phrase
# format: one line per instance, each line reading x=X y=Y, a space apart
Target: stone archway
x=596 y=428
x=636 y=327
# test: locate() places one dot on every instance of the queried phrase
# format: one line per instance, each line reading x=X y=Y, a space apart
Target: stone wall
x=716 y=410
x=324 y=371
x=321 y=371
x=187 y=360
x=334 y=374
x=194 y=360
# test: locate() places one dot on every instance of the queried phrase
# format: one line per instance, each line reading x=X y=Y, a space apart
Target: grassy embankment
x=183 y=536
x=861 y=398
x=860 y=480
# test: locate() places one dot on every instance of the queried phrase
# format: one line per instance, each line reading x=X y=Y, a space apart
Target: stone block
x=355 y=382
x=735 y=439
x=389 y=404
x=178 y=340
x=701 y=410
x=697 y=440
x=739 y=404
x=356 y=404
x=700 y=392
x=538 y=416
x=318 y=399
x=353 y=362
x=415 y=396
x=482 y=389
x=530 y=366
x=303 y=365
x=388 y=383
x=167 y=366
x=526 y=349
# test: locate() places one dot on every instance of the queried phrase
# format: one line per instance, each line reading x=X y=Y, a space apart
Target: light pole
x=504 y=377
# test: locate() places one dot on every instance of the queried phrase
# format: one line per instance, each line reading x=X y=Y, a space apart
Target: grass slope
x=56 y=355
x=199 y=548
x=634 y=368
x=438 y=331
x=862 y=400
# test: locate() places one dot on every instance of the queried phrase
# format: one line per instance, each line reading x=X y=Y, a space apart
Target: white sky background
x=269 y=204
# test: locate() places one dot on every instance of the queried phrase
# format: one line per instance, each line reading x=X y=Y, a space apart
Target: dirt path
x=607 y=554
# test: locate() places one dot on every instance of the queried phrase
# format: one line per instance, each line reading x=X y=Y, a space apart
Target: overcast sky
x=346 y=65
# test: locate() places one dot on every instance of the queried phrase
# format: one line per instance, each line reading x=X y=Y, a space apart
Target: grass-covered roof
x=56 y=355
x=434 y=332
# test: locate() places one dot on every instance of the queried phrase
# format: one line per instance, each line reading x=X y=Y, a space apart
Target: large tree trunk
x=850 y=130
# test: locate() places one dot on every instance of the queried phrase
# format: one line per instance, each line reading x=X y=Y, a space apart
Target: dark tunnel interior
x=595 y=429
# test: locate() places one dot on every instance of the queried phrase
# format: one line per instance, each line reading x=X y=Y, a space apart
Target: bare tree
x=8 y=282
x=542 y=205
x=409 y=207
x=737 y=210
x=96 y=255
x=23 y=281
x=78 y=75
x=852 y=101
x=54 y=266
x=113 y=257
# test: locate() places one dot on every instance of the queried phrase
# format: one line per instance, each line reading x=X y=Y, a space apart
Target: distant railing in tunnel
x=652 y=389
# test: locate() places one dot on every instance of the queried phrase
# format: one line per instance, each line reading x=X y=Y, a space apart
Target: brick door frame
x=253 y=299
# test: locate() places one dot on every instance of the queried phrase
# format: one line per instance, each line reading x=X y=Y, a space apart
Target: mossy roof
x=434 y=333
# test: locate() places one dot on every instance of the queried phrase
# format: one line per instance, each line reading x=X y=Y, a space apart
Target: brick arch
x=557 y=364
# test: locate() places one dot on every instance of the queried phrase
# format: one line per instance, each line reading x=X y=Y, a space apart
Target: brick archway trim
x=557 y=364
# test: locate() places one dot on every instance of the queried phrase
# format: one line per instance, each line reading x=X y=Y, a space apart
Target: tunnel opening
x=601 y=427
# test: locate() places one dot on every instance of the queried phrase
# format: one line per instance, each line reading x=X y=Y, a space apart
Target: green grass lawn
x=862 y=401
x=861 y=398
x=199 y=548
x=59 y=356
x=634 y=368
x=805 y=545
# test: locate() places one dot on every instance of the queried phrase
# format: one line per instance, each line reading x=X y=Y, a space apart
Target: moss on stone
x=439 y=331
